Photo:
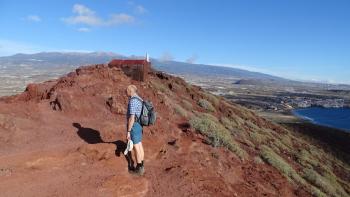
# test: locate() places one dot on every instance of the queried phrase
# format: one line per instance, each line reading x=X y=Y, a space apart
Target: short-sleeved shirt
x=134 y=106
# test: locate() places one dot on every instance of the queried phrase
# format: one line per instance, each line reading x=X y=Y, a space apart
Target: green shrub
x=305 y=159
x=316 y=192
x=230 y=125
x=322 y=183
x=252 y=126
x=257 y=138
x=206 y=105
x=212 y=98
x=286 y=140
x=281 y=146
x=179 y=110
x=269 y=156
x=217 y=134
x=237 y=120
x=159 y=86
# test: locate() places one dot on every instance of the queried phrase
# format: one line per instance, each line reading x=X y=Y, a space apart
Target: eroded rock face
x=7 y=129
x=6 y=122
x=115 y=106
x=97 y=152
x=37 y=92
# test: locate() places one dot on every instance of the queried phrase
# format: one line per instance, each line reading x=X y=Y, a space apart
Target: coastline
x=334 y=138
x=298 y=112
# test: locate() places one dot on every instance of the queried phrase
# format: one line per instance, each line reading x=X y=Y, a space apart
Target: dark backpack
x=148 y=114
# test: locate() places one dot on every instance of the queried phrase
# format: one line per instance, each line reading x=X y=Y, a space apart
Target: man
x=134 y=128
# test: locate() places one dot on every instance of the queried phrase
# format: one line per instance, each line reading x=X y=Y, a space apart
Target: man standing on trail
x=134 y=128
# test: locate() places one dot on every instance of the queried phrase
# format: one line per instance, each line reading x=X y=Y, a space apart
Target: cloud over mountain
x=86 y=16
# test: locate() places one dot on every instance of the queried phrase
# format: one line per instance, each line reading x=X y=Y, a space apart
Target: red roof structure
x=136 y=69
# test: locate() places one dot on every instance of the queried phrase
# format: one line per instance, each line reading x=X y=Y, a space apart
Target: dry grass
x=187 y=105
x=216 y=133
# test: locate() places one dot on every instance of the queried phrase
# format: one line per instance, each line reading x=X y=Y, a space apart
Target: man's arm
x=131 y=121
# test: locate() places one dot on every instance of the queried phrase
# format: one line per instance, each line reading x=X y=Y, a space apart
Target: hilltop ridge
x=64 y=137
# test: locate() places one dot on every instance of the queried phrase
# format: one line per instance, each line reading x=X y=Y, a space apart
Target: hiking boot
x=139 y=171
x=131 y=168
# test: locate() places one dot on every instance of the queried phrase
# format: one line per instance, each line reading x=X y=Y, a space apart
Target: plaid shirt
x=134 y=107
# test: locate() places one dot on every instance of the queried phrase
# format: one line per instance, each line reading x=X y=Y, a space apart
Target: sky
x=296 y=39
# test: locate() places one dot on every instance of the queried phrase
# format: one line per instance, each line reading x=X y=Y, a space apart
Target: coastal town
x=288 y=102
x=303 y=102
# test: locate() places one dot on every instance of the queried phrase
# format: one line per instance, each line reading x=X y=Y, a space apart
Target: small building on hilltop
x=136 y=69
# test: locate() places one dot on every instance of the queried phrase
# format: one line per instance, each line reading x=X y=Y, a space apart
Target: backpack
x=148 y=114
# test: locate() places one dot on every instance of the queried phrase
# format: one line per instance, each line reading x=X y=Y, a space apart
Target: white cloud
x=82 y=10
x=86 y=16
x=166 y=56
x=122 y=18
x=139 y=9
x=33 y=18
x=83 y=29
x=192 y=59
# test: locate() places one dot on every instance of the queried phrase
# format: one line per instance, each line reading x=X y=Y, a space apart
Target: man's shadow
x=92 y=136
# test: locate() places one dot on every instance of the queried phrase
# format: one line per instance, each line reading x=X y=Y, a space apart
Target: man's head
x=131 y=90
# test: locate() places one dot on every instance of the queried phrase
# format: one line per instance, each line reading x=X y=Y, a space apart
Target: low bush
x=206 y=105
x=230 y=125
x=304 y=158
x=216 y=133
x=212 y=98
x=257 y=138
x=330 y=188
x=316 y=192
x=269 y=156
x=179 y=110
x=161 y=87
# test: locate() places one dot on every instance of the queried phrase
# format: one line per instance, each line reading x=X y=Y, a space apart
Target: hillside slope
x=65 y=137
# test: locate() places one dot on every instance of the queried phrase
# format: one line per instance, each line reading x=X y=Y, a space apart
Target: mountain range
x=18 y=70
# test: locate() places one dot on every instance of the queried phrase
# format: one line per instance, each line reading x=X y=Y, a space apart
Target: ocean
x=331 y=117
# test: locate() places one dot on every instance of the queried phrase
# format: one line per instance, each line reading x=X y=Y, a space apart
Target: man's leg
x=138 y=153
x=142 y=152
x=130 y=161
x=139 y=167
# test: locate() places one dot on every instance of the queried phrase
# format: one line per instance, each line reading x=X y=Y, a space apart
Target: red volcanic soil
x=65 y=137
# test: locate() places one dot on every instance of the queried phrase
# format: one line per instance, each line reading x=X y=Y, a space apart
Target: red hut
x=136 y=69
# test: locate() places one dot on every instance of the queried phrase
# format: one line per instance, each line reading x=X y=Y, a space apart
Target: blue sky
x=297 y=39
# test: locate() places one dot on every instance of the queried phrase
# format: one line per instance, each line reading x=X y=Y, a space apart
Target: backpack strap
x=139 y=99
